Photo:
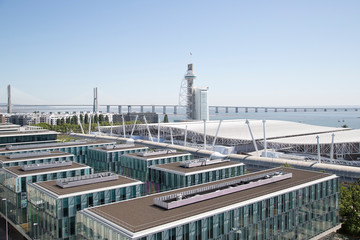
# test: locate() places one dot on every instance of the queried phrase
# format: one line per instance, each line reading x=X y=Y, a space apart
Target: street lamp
x=35 y=230
x=6 y=219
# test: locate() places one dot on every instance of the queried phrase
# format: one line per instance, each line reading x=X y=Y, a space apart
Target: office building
x=52 y=205
x=106 y=157
x=78 y=148
x=193 y=172
x=281 y=203
x=136 y=165
x=13 y=183
x=21 y=159
x=26 y=135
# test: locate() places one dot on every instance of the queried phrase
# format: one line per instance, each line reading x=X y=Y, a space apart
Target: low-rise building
x=53 y=204
x=136 y=165
x=189 y=173
x=26 y=135
x=13 y=183
x=78 y=148
x=151 y=117
x=281 y=203
x=106 y=157
x=20 y=159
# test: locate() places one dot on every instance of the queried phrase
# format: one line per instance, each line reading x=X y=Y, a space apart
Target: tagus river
x=329 y=118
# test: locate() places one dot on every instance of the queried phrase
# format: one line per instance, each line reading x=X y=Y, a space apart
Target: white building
x=200 y=106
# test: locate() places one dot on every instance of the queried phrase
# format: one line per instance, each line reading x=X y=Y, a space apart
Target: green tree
x=68 y=120
x=81 y=118
x=350 y=209
x=58 y=121
x=62 y=121
x=286 y=165
x=166 y=118
x=107 y=118
x=101 y=118
x=95 y=118
x=86 y=119
x=74 y=119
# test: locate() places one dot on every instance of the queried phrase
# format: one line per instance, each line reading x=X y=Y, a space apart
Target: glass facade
x=45 y=159
x=103 y=160
x=52 y=217
x=298 y=214
x=33 y=137
x=138 y=167
x=80 y=151
x=170 y=180
x=13 y=188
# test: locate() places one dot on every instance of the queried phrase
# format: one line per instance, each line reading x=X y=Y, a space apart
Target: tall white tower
x=186 y=92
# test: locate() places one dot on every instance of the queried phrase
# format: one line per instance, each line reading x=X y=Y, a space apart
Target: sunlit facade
x=282 y=210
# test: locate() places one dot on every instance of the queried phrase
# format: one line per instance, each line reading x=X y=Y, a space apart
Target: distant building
x=151 y=117
x=5 y=119
x=200 y=107
x=194 y=99
x=25 y=119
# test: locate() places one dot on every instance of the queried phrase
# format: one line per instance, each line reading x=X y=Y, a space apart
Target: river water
x=330 y=118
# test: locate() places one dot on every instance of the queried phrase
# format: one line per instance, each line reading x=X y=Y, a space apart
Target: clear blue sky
x=249 y=53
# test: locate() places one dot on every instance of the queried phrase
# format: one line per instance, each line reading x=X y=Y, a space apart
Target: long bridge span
x=168 y=108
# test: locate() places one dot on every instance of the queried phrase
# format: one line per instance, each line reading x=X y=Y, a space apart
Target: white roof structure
x=324 y=138
x=238 y=132
x=346 y=144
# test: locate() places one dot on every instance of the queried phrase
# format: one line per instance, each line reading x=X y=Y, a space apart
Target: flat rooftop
x=141 y=214
x=53 y=154
x=119 y=149
x=170 y=154
x=52 y=188
x=176 y=168
x=74 y=144
x=19 y=172
x=27 y=132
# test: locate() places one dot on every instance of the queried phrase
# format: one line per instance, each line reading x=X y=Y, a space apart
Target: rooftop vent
x=118 y=146
x=217 y=190
x=156 y=152
x=29 y=146
x=29 y=154
x=201 y=162
x=56 y=164
x=87 y=179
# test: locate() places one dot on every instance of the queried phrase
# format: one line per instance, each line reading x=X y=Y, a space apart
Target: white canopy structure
x=346 y=144
x=235 y=132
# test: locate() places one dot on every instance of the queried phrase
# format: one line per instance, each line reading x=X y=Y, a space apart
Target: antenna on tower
x=186 y=91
